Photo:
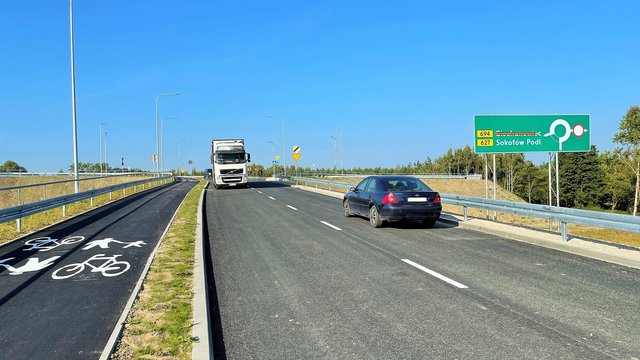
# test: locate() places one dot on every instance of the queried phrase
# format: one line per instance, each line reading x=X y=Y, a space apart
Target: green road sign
x=531 y=133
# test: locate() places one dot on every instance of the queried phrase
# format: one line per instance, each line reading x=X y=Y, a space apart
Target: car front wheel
x=374 y=217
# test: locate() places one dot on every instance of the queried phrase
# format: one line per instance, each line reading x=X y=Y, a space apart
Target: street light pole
x=157 y=136
x=105 y=153
x=101 y=158
x=180 y=157
x=284 y=158
x=341 y=153
x=162 y=138
x=73 y=103
x=334 y=153
x=273 y=171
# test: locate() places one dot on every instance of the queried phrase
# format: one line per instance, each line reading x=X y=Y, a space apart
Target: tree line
x=605 y=180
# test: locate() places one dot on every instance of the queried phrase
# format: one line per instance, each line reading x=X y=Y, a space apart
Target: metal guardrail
x=362 y=176
x=83 y=179
x=20 y=211
x=560 y=214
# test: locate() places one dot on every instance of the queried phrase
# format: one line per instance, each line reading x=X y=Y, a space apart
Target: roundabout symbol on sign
x=577 y=130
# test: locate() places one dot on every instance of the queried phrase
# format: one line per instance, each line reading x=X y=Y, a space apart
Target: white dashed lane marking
x=435 y=274
x=331 y=226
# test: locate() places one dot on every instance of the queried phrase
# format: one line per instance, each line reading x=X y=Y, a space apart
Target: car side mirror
x=352 y=189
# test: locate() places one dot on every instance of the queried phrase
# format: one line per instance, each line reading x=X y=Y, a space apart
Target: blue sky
x=401 y=79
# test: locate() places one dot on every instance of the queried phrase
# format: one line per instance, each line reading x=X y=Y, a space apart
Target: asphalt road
x=53 y=309
x=295 y=279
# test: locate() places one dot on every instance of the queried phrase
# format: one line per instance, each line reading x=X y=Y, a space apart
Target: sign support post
x=495 y=213
x=500 y=134
x=550 y=187
x=486 y=181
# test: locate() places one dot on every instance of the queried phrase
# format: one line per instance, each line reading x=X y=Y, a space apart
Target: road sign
x=277 y=157
x=296 y=156
x=531 y=133
x=296 y=149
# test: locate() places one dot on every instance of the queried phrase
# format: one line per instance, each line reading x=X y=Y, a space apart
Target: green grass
x=159 y=325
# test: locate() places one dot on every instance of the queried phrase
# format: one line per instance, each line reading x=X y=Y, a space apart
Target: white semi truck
x=229 y=163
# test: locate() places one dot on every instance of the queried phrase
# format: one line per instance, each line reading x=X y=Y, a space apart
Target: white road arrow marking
x=33 y=264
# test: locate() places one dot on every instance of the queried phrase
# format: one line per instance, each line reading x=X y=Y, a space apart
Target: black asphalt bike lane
x=63 y=289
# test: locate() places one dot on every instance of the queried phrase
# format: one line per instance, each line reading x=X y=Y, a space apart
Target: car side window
x=372 y=185
x=362 y=185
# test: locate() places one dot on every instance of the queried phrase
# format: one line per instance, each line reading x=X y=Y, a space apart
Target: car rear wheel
x=374 y=217
x=429 y=223
x=347 y=208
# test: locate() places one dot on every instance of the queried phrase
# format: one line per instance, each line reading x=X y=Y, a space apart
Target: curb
x=201 y=327
x=117 y=331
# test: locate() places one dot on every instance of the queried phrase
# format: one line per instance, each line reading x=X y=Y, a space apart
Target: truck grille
x=231 y=171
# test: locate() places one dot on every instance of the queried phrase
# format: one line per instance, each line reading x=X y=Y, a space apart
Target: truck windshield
x=233 y=158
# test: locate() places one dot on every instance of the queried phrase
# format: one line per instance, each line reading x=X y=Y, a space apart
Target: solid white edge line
x=115 y=334
x=272 y=198
x=435 y=274
x=201 y=327
x=331 y=226
x=259 y=192
x=291 y=207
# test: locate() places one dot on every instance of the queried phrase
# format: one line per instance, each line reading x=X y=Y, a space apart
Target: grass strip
x=159 y=324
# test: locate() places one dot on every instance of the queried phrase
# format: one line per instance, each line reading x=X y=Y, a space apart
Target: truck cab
x=229 y=163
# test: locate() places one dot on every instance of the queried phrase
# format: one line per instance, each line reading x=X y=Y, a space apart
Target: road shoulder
x=594 y=249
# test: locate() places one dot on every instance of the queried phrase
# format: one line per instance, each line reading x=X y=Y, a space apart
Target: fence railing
x=20 y=211
x=562 y=215
x=362 y=176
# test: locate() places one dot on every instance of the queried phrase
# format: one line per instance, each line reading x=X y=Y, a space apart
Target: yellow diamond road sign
x=296 y=156
x=296 y=149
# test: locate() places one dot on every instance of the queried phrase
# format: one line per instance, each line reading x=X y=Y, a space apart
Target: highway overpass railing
x=562 y=215
x=20 y=211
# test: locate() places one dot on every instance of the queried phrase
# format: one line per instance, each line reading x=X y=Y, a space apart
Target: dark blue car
x=389 y=198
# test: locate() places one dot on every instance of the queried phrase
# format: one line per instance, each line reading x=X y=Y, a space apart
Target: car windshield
x=232 y=158
x=406 y=184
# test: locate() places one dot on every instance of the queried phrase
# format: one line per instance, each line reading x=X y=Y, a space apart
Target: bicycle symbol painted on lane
x=46 y=243
x=109 y=267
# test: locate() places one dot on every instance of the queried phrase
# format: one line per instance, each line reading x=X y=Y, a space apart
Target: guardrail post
x=19 y=221
x=64 y=210
x=465 y=212
x=91 y=202
x=563 y=230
